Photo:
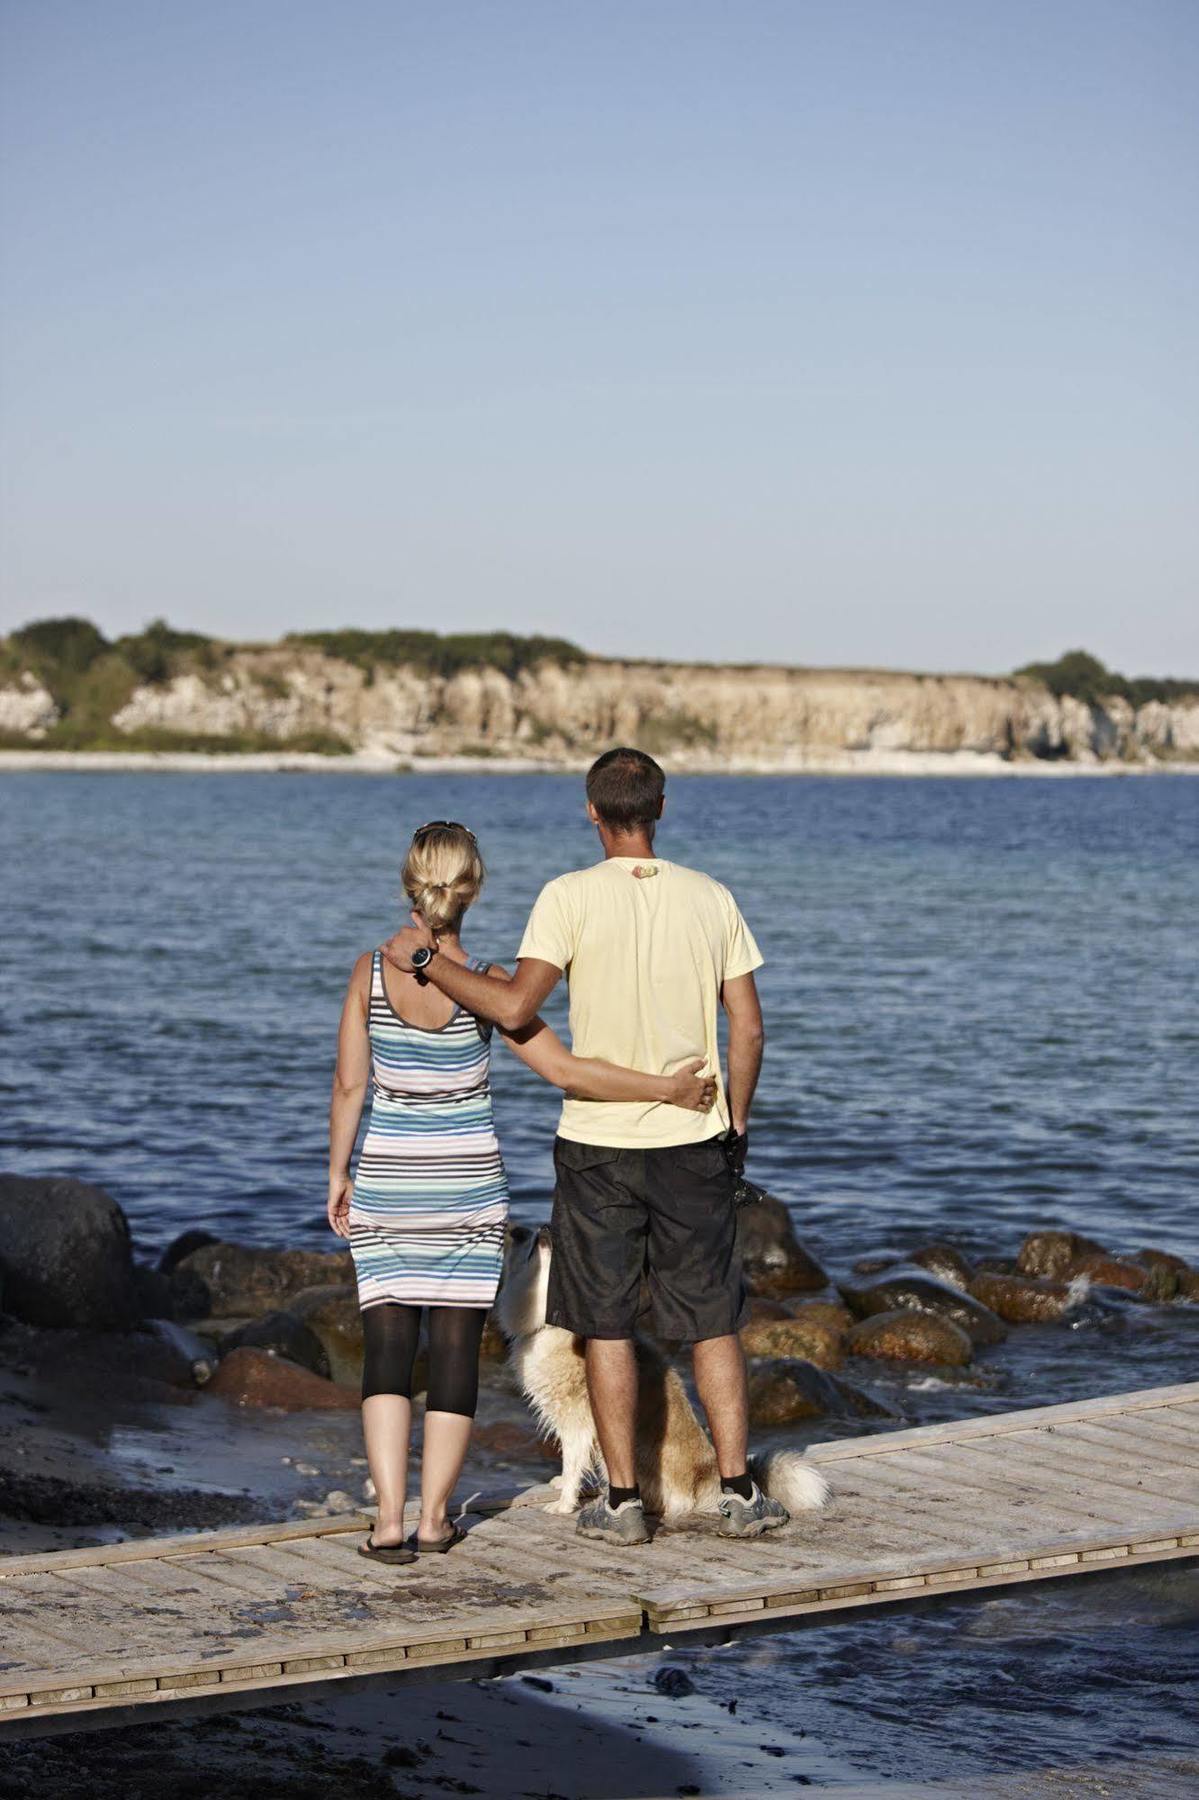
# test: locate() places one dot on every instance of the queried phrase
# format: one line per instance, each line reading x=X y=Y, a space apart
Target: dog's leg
x=577 y=1459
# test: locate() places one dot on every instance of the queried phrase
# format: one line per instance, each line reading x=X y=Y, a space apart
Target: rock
x=762 y=1307
x=913 y=1289
x=243 y=1279
x=1025 y=1299
x=772 y=1258
x=673 y=1682
x=1187 y=1284
x=1115 y=1271
x=1163 y=1259
x=494 y=1346
x=287 y=1336
x=833 y=1313
x=507 y=1439
x=1055 y=1253
x=199 y=1356
x=877 y=1261
x=155 y=1299
x=182 y=1246
x=788 y=1389
x=65 y=1255
x=812 y=1339
x=333 y=1313
x=253 y=1377
x=943 y=1261
x=911 y=1336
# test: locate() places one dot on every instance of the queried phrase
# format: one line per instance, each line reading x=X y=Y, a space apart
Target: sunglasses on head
x=443 y=825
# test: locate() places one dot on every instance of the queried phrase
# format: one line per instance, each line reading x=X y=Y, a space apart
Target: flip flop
x=441 y=1546
x=386 y=1553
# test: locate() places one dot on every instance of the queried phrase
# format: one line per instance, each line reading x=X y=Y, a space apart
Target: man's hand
x=690 y=1088
x=398 y=950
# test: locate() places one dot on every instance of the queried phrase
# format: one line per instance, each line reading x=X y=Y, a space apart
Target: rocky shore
x=220 y=1383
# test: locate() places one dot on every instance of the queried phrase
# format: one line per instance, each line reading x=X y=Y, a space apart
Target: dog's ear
x=518 y=1235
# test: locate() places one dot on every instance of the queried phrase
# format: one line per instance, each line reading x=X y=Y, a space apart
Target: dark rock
x=505 y=1438
x=241 y=1280
x=911 y=1336
x=183 y=1245
x=252 y=1377
x=199 y=1356
x=286 y=1335
x=773 y=1259
x=1162 y=1259
x=333 y=1313
x=813 y=1339
x=762 y=1307
x=1055 y=1253
x=673 y=1682
x=946 y=1263
x=787 y=1389
x=155 y=1299
x=65 y=1255
x=1024 y=1299
x=913 y=1289
x=877 y=1261
x=494 y=1345
x=1134 y=1278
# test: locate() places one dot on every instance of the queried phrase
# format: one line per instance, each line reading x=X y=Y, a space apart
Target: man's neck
x=627 y=843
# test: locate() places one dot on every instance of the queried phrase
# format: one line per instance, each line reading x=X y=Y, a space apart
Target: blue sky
x=853 y=332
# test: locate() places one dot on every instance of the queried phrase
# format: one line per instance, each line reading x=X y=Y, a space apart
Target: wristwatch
x=421 y=957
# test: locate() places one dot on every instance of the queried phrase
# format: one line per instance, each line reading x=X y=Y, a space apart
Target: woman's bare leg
x=447 y=1437
x=386 y=1426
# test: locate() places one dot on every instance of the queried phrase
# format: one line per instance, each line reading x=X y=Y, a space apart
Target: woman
x=426 y=1210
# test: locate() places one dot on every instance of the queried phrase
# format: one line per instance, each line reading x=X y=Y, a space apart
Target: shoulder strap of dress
x=377 y=972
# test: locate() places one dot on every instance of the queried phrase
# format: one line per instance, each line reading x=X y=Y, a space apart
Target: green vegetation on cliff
x=1085 y=678
x=435 y=654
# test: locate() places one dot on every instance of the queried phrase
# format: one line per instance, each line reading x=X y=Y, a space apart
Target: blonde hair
x=442 y=874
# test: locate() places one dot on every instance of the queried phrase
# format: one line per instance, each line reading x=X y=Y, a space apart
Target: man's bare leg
x=612 y=1388
x=719 y=1365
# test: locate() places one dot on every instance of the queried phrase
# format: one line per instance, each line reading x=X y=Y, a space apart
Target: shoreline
x=962 y=764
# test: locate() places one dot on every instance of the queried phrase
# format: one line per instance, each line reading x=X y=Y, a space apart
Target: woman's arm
x=590 y=1078
x=349 y=1091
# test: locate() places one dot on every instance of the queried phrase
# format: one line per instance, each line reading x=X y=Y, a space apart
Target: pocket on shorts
x=577 y=1157
x=706 y=1161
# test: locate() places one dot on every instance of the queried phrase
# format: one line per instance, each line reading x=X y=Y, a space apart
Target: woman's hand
x=341 y=1192
x=688 y=1088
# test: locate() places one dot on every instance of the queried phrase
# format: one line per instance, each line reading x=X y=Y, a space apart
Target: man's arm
x=746 y=1039
x=509 y=1004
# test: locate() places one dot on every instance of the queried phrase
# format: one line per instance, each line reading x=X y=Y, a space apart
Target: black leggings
x=390 y=1334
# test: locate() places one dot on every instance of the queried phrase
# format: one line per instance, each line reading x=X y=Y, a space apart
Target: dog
x=676 y=1464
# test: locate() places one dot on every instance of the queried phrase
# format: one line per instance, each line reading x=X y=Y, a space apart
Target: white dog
x=676 y=1464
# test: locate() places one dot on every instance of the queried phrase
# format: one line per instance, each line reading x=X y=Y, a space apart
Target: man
x=649 y=950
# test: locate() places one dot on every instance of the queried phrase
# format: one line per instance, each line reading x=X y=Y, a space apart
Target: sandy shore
x=961 y=763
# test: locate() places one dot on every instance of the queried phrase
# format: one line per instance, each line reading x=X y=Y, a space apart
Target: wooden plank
x=134 y=1549
x=952 y=1513
x=1136 y=1438
x=1000 y=1424
x=1052 y=1486
x=1116 y=1469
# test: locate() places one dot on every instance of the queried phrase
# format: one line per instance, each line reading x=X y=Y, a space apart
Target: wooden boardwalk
x=235 y=1617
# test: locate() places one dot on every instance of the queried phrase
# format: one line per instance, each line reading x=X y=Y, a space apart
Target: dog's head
x=521 y=1301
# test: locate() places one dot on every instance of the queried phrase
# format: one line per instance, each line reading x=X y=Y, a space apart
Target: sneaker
x=623 y=1524
x=750 y=1518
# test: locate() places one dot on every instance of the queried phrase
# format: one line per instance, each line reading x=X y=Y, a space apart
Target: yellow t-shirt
x=646 y=946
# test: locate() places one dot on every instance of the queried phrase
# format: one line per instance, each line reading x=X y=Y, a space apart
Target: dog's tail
x=785 y=1476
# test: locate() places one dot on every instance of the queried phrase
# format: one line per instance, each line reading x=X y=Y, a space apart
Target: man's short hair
x=626 y=787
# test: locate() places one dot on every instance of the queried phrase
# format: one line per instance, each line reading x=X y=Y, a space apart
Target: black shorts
x=666 y=1213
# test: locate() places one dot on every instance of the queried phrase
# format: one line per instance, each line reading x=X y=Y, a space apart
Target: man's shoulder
x=700 y=885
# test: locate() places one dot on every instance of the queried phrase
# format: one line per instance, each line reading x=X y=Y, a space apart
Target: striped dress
x=430 y=1199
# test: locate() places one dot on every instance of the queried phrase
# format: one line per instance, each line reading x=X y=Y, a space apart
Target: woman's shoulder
x=360 y=974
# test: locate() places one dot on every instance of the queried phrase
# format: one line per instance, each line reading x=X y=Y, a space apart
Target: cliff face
x=687 y=714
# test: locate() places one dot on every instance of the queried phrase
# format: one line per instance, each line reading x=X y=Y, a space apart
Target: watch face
x=421 y=956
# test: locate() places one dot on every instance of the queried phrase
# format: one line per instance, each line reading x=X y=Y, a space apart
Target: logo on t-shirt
x=643 y=871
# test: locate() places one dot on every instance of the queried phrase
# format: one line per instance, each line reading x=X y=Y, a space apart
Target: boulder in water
x=946 y=1263
x=183 y=1245
x=813 y=1339
x=911 y=1336
x=65 y=1256
x=1055 y=1253
x=1025 y=1299
x=286 y=1335
x=333 y=1314
x=914 y=1289
x=877 y=1261
x=252 y=1377
x=242 y=1280
x=787 y=1389
x=772 y=1258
